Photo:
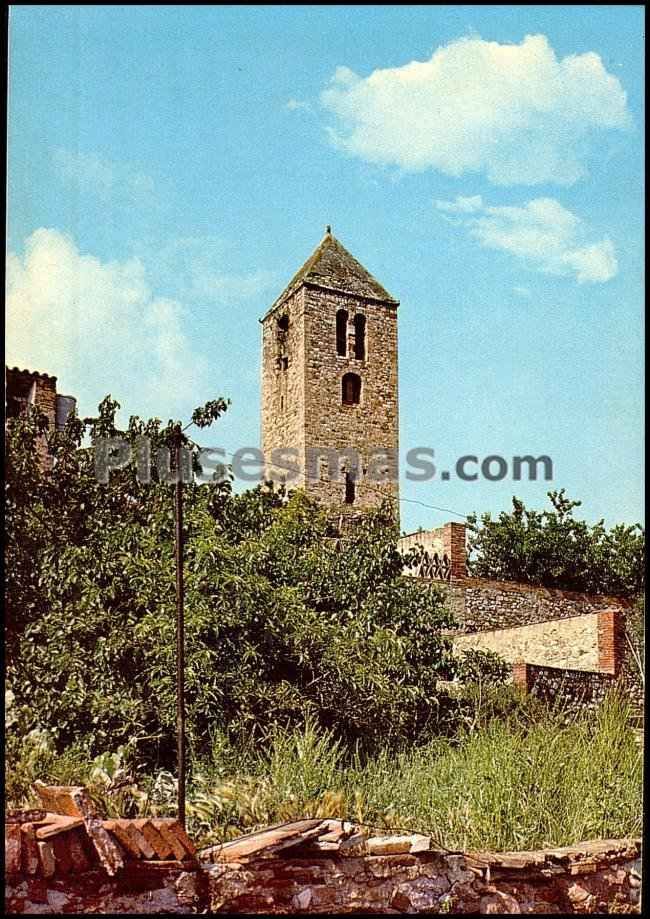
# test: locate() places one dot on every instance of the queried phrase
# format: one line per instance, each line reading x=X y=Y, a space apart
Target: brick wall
x=611 y=641
x=38 y=389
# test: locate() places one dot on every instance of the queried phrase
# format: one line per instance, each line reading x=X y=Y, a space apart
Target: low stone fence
x=591 y=877
x=165 y=888
x=573 y=687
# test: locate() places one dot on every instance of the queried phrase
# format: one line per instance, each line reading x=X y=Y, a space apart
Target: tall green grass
x=509 y=784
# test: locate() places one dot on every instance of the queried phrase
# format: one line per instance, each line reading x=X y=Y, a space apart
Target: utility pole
x=180 y=628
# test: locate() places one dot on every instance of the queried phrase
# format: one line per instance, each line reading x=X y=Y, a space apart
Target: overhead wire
x=435 y=507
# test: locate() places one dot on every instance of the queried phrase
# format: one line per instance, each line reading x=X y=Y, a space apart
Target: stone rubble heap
x=67 y=837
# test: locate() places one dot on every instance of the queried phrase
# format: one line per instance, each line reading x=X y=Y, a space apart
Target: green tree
x=284 y=619
x=553 y=549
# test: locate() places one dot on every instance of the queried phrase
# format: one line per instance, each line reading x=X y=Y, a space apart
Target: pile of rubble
x=312 y=838
x=67 y=836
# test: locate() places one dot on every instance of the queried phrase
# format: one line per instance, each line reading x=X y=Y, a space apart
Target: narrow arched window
x=350 y=489
x=342 y=332
x=283 y=323
x=351 y=389
x=360 y=337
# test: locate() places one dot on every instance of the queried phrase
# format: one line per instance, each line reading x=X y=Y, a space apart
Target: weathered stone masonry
x=481 y=604
x=552 y=631
x=558 y=643
x=586 y=878
x=302 y=379
x=574 y=687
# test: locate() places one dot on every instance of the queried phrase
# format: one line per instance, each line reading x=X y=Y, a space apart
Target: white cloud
x=547 y=236
x=521 y=291
x=193 y=267
x=461 y=205
x=99 y=327
x=295 y=105
x=513 y=112
x=105 y=178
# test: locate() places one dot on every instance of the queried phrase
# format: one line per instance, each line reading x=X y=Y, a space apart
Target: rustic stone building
x=27 y=387
x=329 y=383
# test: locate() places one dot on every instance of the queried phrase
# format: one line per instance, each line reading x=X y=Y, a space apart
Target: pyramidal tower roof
x=331 y=266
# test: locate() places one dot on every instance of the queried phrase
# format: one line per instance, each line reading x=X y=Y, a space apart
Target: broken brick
x=12 y=848
x=46 y=856
x=29 y=849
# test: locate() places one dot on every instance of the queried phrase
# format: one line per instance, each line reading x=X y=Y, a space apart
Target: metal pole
x=180 y=633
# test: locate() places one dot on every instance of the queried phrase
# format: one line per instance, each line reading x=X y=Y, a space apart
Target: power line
x=434 y=507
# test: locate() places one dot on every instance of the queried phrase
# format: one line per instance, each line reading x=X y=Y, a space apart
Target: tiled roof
x=332 y=266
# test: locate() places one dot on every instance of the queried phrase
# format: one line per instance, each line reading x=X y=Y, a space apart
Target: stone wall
x=592 y=877
x=373 y=423
x=480 y=604
x=283 y=404
x=571 y=687
x=571 y=643
x=484 y=605
x=546 y=627
x=145 y=888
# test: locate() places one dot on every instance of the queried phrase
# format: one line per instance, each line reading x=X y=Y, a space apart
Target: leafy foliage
x=283 y=619
x=553 y=549
x=484 y=667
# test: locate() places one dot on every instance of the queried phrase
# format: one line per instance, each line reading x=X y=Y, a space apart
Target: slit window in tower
x=351 y=389
x=360 y=337
x=350 y=489
x=342 y=333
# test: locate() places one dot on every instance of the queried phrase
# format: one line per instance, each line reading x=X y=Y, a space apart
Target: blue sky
x=171 y=167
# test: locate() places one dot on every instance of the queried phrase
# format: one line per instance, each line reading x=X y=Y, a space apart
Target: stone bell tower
x=329 y=383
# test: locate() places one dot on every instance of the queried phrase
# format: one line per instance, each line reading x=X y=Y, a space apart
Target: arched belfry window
x=342 y=332
x=351 y=389
x=283 y=324
x=360 y=337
